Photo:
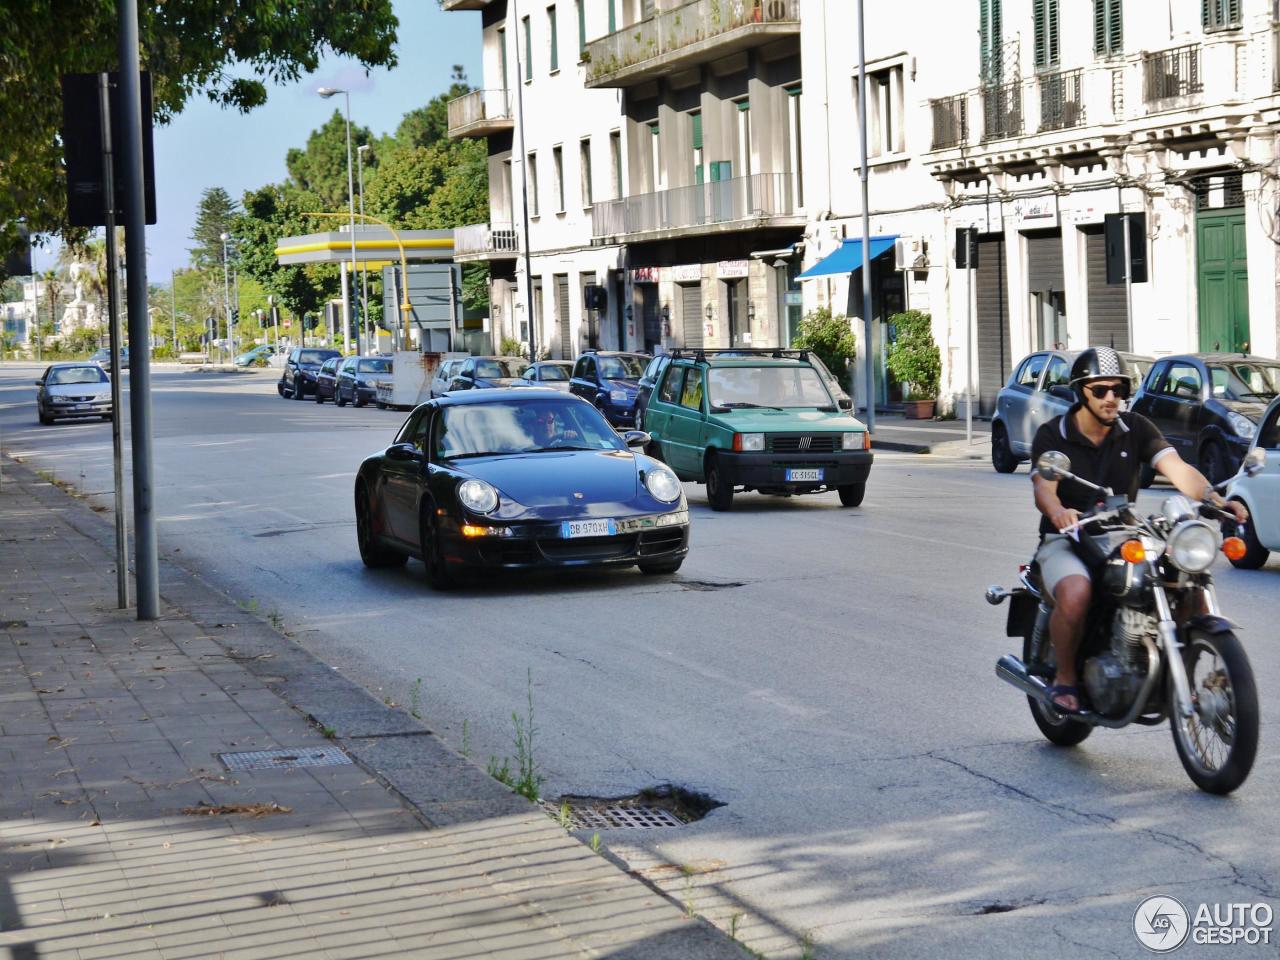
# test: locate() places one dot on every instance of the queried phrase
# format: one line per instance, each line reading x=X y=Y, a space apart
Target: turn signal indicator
x=1133 y=551
x=1234 y=548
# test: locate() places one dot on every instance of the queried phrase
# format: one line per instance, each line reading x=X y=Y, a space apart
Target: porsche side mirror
x=636 y=438
x=1053 y=465
x=39 y=383
x=403 y=451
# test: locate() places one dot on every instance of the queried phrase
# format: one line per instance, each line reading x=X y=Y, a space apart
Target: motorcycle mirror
x=1053 y=465
x=1254 y=462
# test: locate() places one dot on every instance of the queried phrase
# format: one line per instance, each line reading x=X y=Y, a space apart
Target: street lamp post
x=226 y=291
x=326 y=93
x=364 y=273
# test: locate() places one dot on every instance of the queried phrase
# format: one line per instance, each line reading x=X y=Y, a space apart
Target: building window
x=885 y=106
x=528 y=49
x=795 y=144
x=1220 y=14
x=655 y=156
x=615 y=155
x=557 y=163
x=744 y=137
x=1044 y=17
x=613 y=15
x=502 y=54
x=695 y=138
x=555 y=39
x=533 y=185
x=582 y=29
x=991 y=40
x=1108 y=28
x=584 y=161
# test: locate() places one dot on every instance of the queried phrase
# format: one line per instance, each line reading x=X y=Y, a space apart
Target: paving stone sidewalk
x=118 y=831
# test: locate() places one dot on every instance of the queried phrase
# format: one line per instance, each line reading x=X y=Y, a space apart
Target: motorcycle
x=1155 y=642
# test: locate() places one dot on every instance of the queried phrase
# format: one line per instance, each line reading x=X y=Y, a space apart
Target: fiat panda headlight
x=1193 y=546
x=478 y=496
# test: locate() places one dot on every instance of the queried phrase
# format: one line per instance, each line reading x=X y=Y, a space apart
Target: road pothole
x=705 y=586
x=998 y=906
x=665 y=805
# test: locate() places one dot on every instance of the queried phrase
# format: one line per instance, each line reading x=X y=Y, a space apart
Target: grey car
x=447 y=370
x=548 y=373
x=70 y=391
x=1039 y=390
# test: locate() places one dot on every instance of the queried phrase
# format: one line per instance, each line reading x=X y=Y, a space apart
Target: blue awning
x=847 y=257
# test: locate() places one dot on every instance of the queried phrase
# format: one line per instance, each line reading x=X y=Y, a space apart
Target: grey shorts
x=1058 y=561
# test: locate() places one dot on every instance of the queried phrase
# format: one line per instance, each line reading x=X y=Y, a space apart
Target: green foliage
x=831 y=338
x=215 y=215
x=321 y=167
x=430 y=124
x=913 y=358
x=510 y=347
x=271 y=213
x=228 y=52
x=431 y=188
x=526 y=781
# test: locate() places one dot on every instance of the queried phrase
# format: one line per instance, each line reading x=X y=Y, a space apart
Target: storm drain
x=616 y=817
x=285 y=759
x=661 y=806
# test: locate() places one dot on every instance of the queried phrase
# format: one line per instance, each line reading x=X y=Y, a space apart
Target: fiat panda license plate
x=811 y=475
x=588 y=528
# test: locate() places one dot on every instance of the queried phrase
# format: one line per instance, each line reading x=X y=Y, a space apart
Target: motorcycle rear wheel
x=1059 y=730
x=1218 y=743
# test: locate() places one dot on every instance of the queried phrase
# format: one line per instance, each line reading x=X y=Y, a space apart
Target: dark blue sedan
x=516 y=479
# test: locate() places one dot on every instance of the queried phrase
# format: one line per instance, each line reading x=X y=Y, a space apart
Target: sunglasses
x=1100 y=391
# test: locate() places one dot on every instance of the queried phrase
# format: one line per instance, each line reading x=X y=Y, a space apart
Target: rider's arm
x=1047 y=502
x=1190 y=482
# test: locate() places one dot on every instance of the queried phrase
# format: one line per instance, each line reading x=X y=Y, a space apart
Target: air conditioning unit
x=910 y=253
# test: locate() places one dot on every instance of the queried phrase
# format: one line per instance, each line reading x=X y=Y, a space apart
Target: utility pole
x=524 y=200
x=867 y=320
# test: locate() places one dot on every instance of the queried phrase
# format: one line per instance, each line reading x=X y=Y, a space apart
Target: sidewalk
x=940 y=437
x=126 y=832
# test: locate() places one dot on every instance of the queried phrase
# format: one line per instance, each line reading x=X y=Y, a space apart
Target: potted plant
x=915 y=361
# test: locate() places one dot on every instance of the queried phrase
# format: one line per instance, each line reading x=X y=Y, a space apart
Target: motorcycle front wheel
x=1058 y=729
x=1218 y=742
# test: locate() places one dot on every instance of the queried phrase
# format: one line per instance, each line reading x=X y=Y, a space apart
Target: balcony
x=950 y=121
x=686 y=36
x=1171 y=73
x=480 y=113
x=485 y=241
x=743 y=203
x=448 y=5
x=1002 y=111
x=1062 y=100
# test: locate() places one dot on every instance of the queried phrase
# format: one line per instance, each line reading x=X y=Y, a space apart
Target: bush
x=913 y=358
x=831 y=338
x=510 y=347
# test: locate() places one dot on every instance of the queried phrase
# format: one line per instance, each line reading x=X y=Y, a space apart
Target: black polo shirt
x=1116 y=463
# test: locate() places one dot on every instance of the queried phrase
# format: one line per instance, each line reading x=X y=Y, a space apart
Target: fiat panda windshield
x=780 y=387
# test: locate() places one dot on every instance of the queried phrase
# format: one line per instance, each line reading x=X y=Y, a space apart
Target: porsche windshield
x=489 y=429
x=772 y=386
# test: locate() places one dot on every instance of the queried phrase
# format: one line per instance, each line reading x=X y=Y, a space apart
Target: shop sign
x=644 y=275
x=1034 y=212
x=794 y=298
x=731 y=269
x=1096 y=209
x=687 y=273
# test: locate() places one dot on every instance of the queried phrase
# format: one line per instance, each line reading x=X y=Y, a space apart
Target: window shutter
x=1040 y=29
x=613 y=16
x=1099 y=28
x=1233 y=12
x=1051 y=31
x=1115 y=26
x=1205 y=14
x=697 y=131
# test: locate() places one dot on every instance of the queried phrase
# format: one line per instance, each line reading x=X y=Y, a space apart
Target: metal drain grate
x=585 y=817
x=286 y=759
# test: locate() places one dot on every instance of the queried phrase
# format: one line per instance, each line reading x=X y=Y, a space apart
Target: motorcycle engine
x=1113 y=679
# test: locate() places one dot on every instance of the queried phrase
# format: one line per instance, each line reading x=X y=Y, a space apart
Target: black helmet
x=1097 y=363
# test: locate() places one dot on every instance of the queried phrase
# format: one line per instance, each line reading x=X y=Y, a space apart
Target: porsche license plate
x=804 y=476
x=588 y=528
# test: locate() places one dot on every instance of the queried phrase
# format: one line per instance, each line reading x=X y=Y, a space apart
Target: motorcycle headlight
x=1193 y=545
x=1242 y=425
x=477 y=496
x=662 y=485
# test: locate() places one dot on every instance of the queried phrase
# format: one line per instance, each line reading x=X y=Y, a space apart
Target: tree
x=228 y=52
x=270 y=213
x=214 y=216
x=321 y=167
x=430 y=124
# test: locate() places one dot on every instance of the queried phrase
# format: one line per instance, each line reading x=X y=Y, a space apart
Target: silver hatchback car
x=1039 y=390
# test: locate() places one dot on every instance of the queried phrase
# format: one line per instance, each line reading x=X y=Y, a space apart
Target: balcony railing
x=1171 y=73
x=761 y=196
x=685 y=34
x=1002 y=111
x=950 y=121
x=1062 y=100
x=480 y=112
x=488 y=240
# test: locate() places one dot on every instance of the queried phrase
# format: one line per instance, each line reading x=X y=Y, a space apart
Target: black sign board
x=967 y=248
x=1113 y=236
x=82 y=142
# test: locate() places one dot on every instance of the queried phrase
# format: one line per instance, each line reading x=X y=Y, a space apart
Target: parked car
x=300 y=368
x=327 y=379
x=548 y=373
x=478 y=373
x=1261 y=495
x=73 y=391
x=356 y=377
x=440 y=383
x=648 y=380
x=1208 y=406
x=611 y=381
x=103 y=358
x=1038 y=390
x=259 y=356
x=512 y=479
x=757 y=420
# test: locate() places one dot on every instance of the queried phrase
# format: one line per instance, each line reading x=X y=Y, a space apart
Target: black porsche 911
x=512 y=479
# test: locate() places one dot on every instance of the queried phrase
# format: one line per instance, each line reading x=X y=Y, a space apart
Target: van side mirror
x=845 y=403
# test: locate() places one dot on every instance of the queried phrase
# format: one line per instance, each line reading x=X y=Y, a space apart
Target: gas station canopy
x=373 y=245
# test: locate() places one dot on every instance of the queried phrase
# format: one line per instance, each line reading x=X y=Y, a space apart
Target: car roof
x=1221 y=357
x=615 y=353
x=68 y=364
x=764 y=361
x=525 y=395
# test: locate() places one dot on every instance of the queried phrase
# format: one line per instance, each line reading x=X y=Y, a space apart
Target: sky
x=207 y=146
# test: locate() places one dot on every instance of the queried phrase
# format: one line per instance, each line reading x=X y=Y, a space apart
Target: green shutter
x=1115 y=27
x=613 y=16
x=990 y=33
x=744 y=105
x=555 y=40
x=1052 y=33
x=697 y=130
x=1040 y=32
x=1099 y=28
x=528 y=49
x=582 y=28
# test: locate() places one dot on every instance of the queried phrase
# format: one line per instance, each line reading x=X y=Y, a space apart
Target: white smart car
x=1261 y=494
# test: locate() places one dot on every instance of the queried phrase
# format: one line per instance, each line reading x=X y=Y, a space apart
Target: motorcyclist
x=1107 y=446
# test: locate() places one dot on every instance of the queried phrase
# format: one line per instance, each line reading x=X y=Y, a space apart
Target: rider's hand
x=1064 y=517
x=1237 y=508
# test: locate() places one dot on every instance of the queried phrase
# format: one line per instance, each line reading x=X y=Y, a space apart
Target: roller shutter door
x=991 y=284
x=651 y=316
x=1108 y=320
x=562 y=310
x=691 y=314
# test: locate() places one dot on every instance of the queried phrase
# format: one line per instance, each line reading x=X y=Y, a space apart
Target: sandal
x=1062 y=690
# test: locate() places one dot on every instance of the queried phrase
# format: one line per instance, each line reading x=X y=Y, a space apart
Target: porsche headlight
x=477 y=496
x=663 y=485
x=1242 y=425
x=1193 y=546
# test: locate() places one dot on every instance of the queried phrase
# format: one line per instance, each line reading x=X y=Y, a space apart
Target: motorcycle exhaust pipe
x=1013 y=671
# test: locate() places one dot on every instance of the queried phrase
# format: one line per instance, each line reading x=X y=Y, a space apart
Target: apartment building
x=1030 y=121
x=663 y=168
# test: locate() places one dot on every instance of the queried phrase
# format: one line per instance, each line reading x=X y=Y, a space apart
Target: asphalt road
x=826 y=674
